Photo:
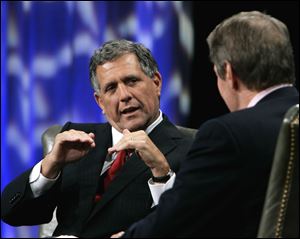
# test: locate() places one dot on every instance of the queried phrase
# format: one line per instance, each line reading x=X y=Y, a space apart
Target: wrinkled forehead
x=119 y=68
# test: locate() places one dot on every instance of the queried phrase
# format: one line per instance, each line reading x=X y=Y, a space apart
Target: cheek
x=110 y=105
x=224 y=92
x=151 y=99
x=221 y=87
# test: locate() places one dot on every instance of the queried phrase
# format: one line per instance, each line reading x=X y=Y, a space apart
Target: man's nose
x=124 y=93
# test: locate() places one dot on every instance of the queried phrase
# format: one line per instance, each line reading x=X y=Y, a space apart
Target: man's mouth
x=129 y=110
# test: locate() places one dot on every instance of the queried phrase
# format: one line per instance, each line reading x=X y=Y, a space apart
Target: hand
x=69 y=146
x=117 y=235
x=66 y=236
x=146 y=150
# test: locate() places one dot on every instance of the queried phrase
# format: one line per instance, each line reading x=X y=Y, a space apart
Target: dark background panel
x=206 y=101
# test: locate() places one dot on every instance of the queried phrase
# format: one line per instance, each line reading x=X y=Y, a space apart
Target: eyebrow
x=111 y=83
x=125 y=78
x=128 y=77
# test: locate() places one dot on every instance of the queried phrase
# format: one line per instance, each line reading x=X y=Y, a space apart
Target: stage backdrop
x=45 y=52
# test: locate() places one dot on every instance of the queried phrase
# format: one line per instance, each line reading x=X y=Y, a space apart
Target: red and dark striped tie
x=112 y=171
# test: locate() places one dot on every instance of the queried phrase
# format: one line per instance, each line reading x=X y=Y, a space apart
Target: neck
x=244 y=97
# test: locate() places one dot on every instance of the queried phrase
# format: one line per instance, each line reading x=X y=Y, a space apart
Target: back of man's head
x=258 y=48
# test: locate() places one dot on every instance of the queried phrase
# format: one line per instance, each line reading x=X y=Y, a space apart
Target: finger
x=92 y=135
x=111 y=150
x=117 y=235
x=126 y=131
x=85 y=146
x=129 y=141
x=137 y=153
x=76 y=136
x=86 y=138
x=125 y=145
x=116 y=148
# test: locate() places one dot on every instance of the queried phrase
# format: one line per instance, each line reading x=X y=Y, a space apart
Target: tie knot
x=117 y=164
x=121 y=156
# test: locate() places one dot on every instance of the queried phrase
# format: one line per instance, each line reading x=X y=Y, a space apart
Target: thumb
x=126 y=131
x=118 y=235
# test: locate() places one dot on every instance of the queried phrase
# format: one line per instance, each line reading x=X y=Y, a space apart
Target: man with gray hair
x=104 y=177
x=220 y=188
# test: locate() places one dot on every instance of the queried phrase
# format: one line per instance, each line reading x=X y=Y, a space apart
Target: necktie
x=112 y=171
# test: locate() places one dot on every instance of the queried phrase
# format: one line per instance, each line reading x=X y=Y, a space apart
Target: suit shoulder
x=177 y=132
x=229 y=126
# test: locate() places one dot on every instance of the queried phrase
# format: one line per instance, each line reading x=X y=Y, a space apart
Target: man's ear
x=231 y=77
x=157 y=79
x=99 y=102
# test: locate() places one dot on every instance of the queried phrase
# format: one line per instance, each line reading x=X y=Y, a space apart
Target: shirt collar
x=264 y=93
x=116 y=135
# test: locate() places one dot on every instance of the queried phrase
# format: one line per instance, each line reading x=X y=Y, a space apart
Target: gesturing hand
x=68 y=147
x=140 y=142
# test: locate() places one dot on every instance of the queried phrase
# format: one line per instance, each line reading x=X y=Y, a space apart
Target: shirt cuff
x=157 y=189
x=39 y=184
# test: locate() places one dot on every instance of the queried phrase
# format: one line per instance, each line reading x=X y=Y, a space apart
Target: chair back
x=48 y=138
x=280 y=216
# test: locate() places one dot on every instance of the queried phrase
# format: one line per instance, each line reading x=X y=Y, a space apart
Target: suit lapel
x=162 y=136
x=132 y=168
x=90 y=168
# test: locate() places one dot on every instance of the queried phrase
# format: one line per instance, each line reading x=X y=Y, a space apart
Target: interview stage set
x=118 y=117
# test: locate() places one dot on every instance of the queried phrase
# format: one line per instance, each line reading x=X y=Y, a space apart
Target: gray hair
x=258 y=48
x=114 y=49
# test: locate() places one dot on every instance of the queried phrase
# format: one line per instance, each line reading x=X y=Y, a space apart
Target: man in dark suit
x=220 y=188
x=72 y=177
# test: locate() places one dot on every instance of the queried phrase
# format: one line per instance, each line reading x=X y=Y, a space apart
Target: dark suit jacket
x=126 y=200
x=220 y=188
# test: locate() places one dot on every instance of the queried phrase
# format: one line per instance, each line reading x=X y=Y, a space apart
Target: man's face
x=128 y=98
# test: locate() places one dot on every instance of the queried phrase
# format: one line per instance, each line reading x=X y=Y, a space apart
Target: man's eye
x=132 y=80
x=109 y=88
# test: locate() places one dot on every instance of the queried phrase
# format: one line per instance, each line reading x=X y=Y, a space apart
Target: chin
x=135 y=126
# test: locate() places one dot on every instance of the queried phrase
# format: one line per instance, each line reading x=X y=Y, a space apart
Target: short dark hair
x=114 y=49
x=258 y=48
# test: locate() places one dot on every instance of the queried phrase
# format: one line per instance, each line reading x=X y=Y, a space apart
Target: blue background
x=45 y=52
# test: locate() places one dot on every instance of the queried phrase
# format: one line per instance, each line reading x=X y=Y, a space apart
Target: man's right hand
x=69 y=146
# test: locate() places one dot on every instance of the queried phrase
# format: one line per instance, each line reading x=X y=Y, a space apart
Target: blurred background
x=45 y=52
